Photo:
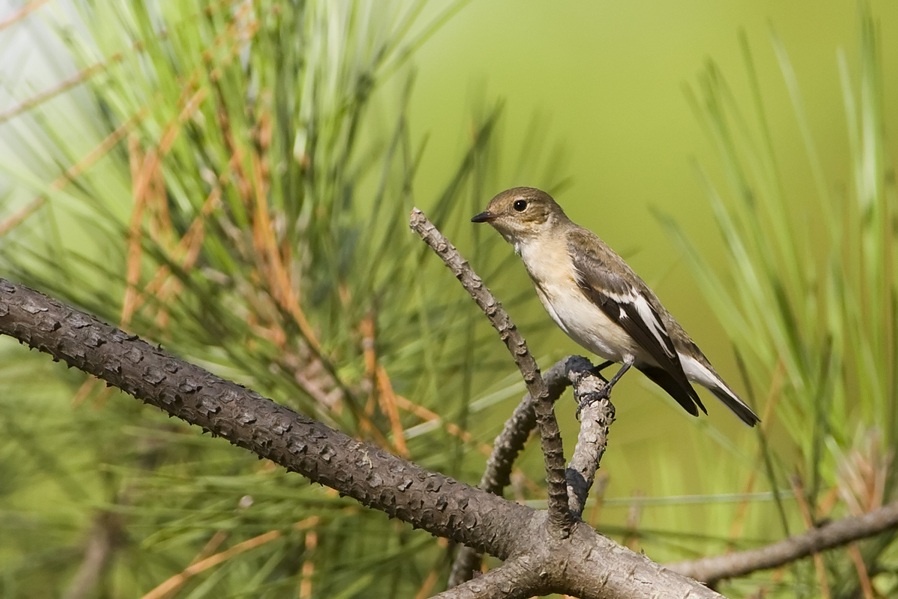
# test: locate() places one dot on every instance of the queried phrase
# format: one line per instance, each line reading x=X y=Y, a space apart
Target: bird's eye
x=520 y=205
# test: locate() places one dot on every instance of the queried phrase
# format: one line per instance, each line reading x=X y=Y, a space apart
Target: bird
x=594 y=296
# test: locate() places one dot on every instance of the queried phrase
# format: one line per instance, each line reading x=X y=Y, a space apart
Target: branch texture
x=517 y=578
x=373 y=477
x=517 y=429
x=584 y=564
x=511 y=441
x=560 y=519
x=596 y=415
x=840 y=532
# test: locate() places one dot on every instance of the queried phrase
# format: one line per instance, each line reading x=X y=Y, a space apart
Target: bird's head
x=521 y=213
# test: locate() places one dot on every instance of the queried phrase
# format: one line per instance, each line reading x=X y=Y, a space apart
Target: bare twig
x=596 y=416
x=560 y=518
x=105 y=536
x=509 y=444
x=840 y=532
x=511 y=440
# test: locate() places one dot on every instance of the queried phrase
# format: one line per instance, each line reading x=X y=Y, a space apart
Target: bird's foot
x=588 y=390
x=591 y=397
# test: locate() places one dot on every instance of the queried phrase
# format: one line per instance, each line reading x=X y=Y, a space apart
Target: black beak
x=484 y=217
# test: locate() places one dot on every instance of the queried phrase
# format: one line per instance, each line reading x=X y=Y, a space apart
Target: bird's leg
x=605 y=393
x=597 y=370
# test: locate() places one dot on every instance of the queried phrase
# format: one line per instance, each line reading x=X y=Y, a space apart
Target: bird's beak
x=484 y=217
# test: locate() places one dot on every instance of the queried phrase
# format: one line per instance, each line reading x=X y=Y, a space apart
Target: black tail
x=735 y=404
x=682 y=392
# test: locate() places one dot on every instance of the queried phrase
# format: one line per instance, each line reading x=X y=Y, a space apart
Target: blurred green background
x=754 y=135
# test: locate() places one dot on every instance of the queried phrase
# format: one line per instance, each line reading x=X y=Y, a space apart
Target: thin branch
x=560 y=518
x=834 y=534
x=517 y=429
x=506 y=447
x=596 y=416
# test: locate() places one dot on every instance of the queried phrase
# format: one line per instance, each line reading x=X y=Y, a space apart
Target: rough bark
x=595 y=418
x=833 y=534
x=373 y=477
x=584 y=563
x=596 y=415
x=549 y=434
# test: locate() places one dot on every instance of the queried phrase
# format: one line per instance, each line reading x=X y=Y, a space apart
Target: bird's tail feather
x=732 y=401
x=701 y=372
x=688 y=398
x=680 y=391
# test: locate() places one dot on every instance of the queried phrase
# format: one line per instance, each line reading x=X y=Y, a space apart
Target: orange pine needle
x=178 y=580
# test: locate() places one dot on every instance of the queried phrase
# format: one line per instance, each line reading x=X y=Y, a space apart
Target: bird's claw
x=593 y=397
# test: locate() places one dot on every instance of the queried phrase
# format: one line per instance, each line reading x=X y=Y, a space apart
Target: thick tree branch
x=373 y=477
x=585 y=564
x=560 y=518
x=508 y=581
x=834 y=534
x=513 y=437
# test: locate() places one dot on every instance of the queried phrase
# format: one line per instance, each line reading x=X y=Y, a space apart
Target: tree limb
x=596 y=415
x=368 y=474
x=560 y=518
x=508 y=581
x=584 y=564
x=711 y=570
x=511 y=440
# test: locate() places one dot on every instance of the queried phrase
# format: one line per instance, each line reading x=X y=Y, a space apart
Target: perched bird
x=597 y=299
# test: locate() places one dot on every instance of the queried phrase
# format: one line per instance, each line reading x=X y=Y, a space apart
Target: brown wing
x=611 y=285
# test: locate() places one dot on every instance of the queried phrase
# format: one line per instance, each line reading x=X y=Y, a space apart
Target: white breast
x=553 y=275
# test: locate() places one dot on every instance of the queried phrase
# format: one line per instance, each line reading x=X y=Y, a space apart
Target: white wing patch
x=648 y=316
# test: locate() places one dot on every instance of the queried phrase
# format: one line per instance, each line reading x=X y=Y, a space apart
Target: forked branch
x=560 y=518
